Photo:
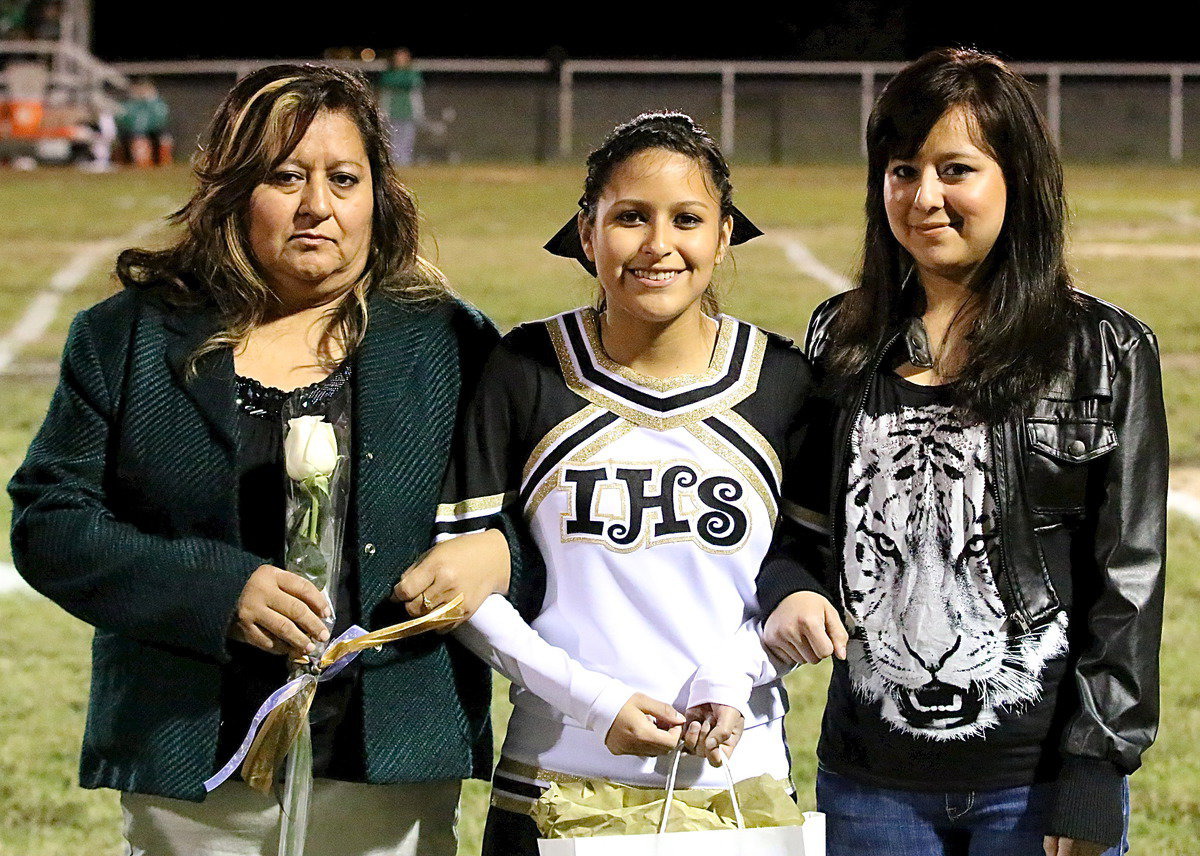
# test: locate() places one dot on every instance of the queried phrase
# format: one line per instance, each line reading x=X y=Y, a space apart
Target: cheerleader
x=649 y=446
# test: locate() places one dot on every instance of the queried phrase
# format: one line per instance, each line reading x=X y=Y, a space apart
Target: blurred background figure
x=23 y=20
x=47 y=21
x=95 y=135
x=13 y=15
x=402 y=100
x=142 y=134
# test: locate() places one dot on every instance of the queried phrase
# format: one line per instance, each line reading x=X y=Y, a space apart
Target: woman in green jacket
x=151 y=503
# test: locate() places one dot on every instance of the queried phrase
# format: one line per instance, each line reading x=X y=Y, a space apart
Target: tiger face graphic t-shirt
x=940 y=690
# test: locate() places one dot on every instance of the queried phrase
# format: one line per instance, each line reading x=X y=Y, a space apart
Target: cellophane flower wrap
x=317 y=459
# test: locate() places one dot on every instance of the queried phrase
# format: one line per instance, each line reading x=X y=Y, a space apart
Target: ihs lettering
x=655 y=515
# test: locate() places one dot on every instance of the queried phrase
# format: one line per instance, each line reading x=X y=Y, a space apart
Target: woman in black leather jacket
x=997 y=505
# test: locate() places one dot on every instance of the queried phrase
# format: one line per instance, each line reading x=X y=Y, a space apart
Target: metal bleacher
x=50 y=87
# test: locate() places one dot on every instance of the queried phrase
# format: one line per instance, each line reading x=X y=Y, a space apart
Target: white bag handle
x=737 y=810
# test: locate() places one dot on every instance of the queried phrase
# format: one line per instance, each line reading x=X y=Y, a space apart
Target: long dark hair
x=260 y=122
x=1022 y=291
x=674 y=132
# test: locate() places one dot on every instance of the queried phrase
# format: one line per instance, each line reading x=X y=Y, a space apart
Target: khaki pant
x=345 y=819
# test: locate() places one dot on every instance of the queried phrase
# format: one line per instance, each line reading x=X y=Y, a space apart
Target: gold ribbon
x=282 y=725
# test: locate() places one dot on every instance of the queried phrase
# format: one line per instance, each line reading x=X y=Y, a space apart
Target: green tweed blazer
x=125 y=513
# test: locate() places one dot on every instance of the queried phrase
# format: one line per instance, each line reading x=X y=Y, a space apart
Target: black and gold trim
x=564 y=440
x=752 y=455
x=653 y=402
x=469 y=515
x=516 y=786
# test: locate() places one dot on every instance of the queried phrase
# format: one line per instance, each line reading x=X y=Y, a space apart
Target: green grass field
x=1135 y=240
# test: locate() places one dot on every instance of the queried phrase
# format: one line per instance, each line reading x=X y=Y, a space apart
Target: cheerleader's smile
x=655 y=278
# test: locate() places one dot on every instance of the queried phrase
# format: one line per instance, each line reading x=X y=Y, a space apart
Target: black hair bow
x=567 y=243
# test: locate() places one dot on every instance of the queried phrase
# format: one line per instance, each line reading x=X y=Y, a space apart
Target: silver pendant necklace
x=916 y=338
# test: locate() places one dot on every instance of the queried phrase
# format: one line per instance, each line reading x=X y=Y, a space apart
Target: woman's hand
x=712 y=728
x=474 y=565
x=805 y=628
x=1056 y=845
x=644 y=726
x=281 y=612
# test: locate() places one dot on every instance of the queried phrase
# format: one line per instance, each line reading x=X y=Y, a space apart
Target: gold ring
x=426 y=602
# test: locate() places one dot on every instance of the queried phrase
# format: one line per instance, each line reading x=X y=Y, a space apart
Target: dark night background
x=863 y=30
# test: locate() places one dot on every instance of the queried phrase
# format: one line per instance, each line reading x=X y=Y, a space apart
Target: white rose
x=310 y=448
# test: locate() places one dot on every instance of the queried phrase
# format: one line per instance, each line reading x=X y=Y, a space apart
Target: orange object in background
x=166 y=150
x=142 y=152
x=21 y=117
x=63 y=122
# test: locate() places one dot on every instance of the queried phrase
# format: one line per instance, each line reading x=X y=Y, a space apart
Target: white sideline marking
x=1185 y=214
x=1184 y=503
x=40 y=313
x=10 y=580
x=806 y=263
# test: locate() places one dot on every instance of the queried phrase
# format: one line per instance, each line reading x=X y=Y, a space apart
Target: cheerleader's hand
x=1056 y=846
x=713 y=730
x=644 y=726
x=805 y=628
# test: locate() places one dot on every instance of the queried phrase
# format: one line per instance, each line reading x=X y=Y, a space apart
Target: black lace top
x=254 y=674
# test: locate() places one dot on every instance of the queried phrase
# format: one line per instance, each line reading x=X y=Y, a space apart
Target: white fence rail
x=70 y=65
x=1170 y=80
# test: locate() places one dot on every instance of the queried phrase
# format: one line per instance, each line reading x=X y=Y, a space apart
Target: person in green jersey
x=401 y=100
x=142 y=125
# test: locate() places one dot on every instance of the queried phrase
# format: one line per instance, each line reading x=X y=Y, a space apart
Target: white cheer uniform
x=652 y=504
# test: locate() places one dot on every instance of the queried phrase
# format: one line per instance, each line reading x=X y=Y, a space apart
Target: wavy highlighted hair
x=257 y=126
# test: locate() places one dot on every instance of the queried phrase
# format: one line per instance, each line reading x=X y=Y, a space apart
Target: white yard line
x=41 y=312
x=806 y=263
x=38 y=317
x=10 y=581
x=1186 y=504
x=1184 y=214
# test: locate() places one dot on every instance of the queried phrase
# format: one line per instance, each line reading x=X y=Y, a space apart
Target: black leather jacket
x=1081 y=479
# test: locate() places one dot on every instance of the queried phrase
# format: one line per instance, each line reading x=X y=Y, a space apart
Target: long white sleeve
x=744 y=664
x=498 y=635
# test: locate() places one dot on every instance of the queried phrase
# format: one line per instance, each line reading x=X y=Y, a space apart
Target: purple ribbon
x=277 y=698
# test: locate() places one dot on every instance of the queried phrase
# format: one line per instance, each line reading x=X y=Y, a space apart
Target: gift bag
x=806 y=840
x=803 y=840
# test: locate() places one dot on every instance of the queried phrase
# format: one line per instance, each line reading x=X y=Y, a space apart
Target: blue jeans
x=863 y=820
